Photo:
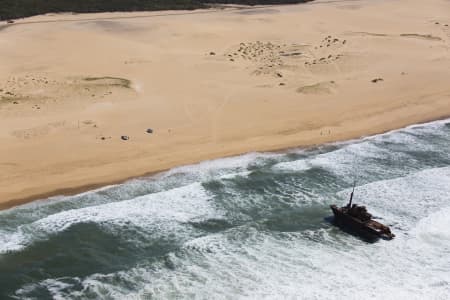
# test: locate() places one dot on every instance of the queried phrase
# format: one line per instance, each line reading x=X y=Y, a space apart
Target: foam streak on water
x=249 y=227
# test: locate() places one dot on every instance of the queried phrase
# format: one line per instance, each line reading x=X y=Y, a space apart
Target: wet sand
x=209 y=84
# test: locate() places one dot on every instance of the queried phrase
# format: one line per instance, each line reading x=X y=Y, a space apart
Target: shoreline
x=71 y=191
x=209 y=85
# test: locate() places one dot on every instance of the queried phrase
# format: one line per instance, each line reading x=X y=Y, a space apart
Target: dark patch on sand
x=363 y=33
x=421 y=36
x=111 y=81
x=326 y=87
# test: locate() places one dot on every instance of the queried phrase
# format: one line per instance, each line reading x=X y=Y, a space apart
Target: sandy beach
x=209 y=84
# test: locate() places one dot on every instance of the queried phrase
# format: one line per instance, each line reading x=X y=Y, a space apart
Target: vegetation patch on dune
x=110 y=81
x=11 y=9
x=35 y=90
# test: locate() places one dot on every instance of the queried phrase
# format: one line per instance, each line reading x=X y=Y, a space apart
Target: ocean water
x=256 y=226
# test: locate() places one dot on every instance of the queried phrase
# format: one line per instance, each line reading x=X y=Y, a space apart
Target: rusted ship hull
x=370 y=229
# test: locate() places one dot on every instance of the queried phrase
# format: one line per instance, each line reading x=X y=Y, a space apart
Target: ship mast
x=351 y=195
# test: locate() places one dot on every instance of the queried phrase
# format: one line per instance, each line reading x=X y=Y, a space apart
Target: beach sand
x=209 y=84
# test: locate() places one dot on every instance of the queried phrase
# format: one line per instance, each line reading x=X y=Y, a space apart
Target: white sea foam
x=161 y=212
x=222 y=166
x=343 y=160
x=148 y=209
x=407 y=198
x=432 y=127
x=296 y=165
x=352 y=153
x=12 y=241
x=434 y=231
x=246 y=263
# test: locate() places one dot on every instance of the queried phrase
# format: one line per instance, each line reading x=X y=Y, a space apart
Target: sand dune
x=209 y=84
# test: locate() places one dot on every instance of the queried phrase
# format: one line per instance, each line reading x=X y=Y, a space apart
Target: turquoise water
x=248 y=227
